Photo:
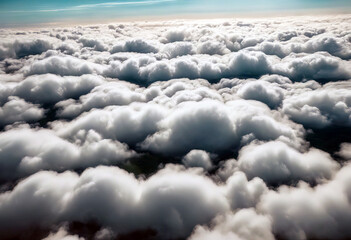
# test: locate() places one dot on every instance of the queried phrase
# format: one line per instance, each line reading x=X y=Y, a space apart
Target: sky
x=23 y=12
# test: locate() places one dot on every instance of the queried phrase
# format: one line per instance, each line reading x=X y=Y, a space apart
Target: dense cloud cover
x=201 y=129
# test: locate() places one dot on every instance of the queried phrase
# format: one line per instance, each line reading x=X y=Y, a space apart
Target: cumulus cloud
x=212 y=48
x=322 y=107
x=175 y=35
x=93 y=43
x=62 y=234
x=335 y=46
x=177 y=49
x=18 y=110
x=198 y=158
x=249 y=64
x=22 y=48
x=134 y=45
x=62 y=66
x=242 y=193
x=114 y=198
x=25 y=151
x=110 y=93
x=216 y=127
x=50 y=88
x=318 y=66
x=345 y=151
x=244 y=63
x=130 y=124
x=305 y=212
x=206 y=125
x=276 y=163
x=263 y=91
x=243 y=225
x=338 y=47
x=194 y=126
x=240 y=107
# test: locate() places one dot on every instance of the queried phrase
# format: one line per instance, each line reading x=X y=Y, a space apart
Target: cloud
x=106 y=94
x=130 y=124
x=338 y=47
x=62 y=66
x=198 y=158
x=62 y=234
x=322 y=107
x=262 y=91
x=177 y=49
x=147 y=69
x=176 y=35
x=22 y=48
x=240 y=107
x=25 y=151
x=249 y=64
x=242 y=193
x=317 y=66
x=243 y=225
x=277 y=163
x=200 y=122
x=215 y=127
x=134 y=45
x=96 y=5
x=305 y=212
x=18 y=110
x=345 y=151
x=212 y=48
x=50 y=88
x=114 y=198
x=335 y=46
x=93 y=43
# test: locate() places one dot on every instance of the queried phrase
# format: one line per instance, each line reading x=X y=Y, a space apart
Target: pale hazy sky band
x=38 y=12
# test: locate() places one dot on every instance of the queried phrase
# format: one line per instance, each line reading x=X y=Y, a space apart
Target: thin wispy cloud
x=86 y=6
x=21 y=12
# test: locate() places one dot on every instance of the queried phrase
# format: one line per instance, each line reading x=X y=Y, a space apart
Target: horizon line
x=186 y=16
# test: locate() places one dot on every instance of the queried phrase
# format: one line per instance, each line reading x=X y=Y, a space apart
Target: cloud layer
x=182 y=129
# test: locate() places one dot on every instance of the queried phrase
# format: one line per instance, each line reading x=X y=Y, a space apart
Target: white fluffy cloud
x=206 y=125
x=135 y=45
x=243 y=225
x=18 y=110
x=345 y=151
x=276 y=163
x=130 y=124
x=25 y=151
x=172 y=201
x=264 y=91
x=110 y=93
x=49 y=88
x=62 y=66
x=22 y=48
x=62 y=234
x=305 y=212
x=198 y=158
x=216 y=127
x=240 y=107
x=322 y=107
x=242 y=193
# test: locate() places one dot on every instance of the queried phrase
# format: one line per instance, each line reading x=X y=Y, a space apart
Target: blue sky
x=21 y=12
